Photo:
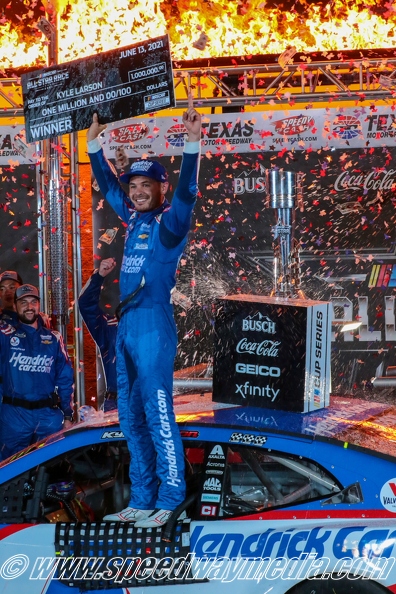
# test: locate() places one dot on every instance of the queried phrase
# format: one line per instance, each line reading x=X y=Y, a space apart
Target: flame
x=210 y=28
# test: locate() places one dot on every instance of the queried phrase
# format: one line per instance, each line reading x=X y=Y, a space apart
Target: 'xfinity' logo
x=259 y=323
x=248 y=390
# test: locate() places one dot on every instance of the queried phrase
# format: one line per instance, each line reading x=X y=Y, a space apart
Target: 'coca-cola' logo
x=346 y=181
x=267 y=348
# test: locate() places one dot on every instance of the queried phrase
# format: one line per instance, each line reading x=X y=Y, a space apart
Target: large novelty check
x=118 y=84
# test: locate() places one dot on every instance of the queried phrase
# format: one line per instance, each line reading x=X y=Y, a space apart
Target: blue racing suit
x=103 y=329
x=9 y=316
x=147 y=338
x=34 y=366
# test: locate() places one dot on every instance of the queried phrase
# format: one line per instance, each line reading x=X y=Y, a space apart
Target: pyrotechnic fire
x=198 y=29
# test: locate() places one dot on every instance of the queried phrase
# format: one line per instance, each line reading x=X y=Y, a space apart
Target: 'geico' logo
x=257 y=370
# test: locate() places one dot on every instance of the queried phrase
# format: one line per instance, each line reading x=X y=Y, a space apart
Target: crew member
x=103 y=329
x=10 y=280
x=37 y=377
x=155 y=237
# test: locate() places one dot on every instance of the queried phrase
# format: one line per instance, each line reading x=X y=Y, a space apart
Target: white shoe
x=129 y=514
x=159 y=517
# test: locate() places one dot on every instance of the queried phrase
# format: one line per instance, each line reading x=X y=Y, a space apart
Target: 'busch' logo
x=294 y=125
x=259 y=323
x=245 y=184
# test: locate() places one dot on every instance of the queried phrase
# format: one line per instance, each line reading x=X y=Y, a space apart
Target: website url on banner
x=190 y=568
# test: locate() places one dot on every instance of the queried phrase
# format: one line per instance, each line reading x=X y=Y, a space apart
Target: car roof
x=356 y=421
x=347 y=421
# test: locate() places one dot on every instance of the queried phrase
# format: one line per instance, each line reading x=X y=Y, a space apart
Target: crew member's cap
x=11 y=275
x=147 y=168
x=26 y=291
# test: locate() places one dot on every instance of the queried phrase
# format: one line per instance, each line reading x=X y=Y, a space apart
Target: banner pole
x=77 y=273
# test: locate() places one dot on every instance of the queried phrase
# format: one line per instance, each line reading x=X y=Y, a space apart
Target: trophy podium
x=274 y=351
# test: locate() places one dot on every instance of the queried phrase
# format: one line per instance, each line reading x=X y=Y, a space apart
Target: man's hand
x=192 y=121
x=67 y=424
x=106 y=266
x=95 y=128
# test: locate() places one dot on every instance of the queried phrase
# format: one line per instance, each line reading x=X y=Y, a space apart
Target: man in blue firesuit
x=102 y=327
x=37 y=377
x=155 y=237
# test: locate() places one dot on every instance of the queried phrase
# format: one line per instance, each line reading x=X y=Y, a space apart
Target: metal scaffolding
x=250 y=81
x=308 y=81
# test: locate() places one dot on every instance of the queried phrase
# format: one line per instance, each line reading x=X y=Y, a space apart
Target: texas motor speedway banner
x=18 y=205
x=346 y=230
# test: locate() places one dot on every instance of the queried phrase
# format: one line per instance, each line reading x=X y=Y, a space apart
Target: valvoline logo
x=130 y=133
x=294 y=125
x=176 y=134
x=346 y=126
x=388 y=495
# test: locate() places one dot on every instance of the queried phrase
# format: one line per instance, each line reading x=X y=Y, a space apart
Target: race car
x=277 y=502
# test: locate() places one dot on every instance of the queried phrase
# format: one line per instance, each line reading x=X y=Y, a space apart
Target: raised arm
x=176 y=223
x=95 y=319
x=104 y=173
x=192 y=121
